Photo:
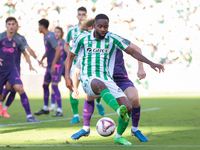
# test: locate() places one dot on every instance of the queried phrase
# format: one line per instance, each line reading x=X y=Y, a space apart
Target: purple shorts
x=49 y=77
x=12 y=76
x=63 y=72
x=123 y=83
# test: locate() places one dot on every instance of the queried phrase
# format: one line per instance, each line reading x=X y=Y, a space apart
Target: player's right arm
x=41 y=61
x=1 y=62
x=75 y=82
x=68 y=65
x=75 y=50
x=66 y=48
x=67 y=41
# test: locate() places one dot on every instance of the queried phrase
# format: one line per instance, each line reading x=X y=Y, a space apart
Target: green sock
x=122 y=125
x=109 y=99
x=74 y=104
x=98 y=100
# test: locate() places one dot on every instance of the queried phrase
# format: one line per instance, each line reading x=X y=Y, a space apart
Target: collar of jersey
x=93 y=38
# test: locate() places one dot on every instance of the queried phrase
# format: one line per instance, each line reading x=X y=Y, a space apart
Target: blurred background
x=167 y=31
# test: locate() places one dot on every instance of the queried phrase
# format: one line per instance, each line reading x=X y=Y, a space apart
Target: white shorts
x=113 y=88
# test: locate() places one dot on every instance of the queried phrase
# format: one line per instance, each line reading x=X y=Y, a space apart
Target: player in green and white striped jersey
x=72 y=33
x=97 y=48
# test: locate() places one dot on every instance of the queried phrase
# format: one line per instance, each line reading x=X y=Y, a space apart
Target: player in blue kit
x=59 y=34
x=10 y=44
x=8 y=88
x=54 y=67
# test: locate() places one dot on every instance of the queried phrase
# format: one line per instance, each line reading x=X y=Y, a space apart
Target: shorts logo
x=14 y=44
x=97 y=50
x=118 y=90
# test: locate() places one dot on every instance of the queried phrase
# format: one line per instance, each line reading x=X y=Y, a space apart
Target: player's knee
x=133 y=98
x=129 y=108
x=20 y=89
x=45 y=86
x=55 y=88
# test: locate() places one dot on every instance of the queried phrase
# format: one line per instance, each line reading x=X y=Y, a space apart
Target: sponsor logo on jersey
x=14 y=44
x=97 y=50
x=8 y=50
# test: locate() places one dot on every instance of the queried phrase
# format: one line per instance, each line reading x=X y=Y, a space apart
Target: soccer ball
x=105 y=126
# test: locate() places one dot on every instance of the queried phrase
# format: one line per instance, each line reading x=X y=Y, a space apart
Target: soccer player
x=59 y=34
x=10 y=43
x=54 y=68
x=120 y=77
x=97 y=48
x=72 y=33
x=8 y=88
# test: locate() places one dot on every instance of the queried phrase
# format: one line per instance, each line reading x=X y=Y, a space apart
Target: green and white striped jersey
x=72 y=33
x=96 y=53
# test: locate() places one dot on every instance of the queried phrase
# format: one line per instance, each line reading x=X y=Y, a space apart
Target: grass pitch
x=170 y=123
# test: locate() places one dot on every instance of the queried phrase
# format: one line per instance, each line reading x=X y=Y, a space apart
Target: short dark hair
x=59 y=28
x=10 y=19
x=101 y=16
x=82 y=9
x=44 y=22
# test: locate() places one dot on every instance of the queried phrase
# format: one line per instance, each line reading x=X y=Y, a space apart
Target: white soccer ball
x=105 y=126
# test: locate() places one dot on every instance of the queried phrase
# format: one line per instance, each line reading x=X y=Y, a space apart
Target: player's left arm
x=141 y=58
x=31 y=52
x=56 y=58
x=1 y=62
x=54 y=43
x=27 y=57
x=141 y=73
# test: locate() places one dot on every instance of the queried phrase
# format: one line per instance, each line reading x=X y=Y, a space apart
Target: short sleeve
x=51 y=39
x=21 y=47
x=119 y=42
x=24 y=42
x=69 y=36
x=78 y=44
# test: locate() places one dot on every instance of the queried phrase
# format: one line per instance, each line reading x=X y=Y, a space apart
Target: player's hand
x=40 y=63
x=75 y=93
x=141 y=74
x=157 y=67
x=1 y=62
x=53 y=69
x=32 y=69
x=69 y=84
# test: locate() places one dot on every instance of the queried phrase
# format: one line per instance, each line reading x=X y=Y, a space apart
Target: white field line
x=80 y=145
x=25 y=123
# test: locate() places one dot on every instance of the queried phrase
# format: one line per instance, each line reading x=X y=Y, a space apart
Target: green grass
x=176 y=125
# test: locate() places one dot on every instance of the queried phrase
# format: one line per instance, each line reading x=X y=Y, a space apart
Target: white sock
x=5 y=107
x=53 y=105
x=1 y=103
x=134 y=129
x=59 y=110
x=86 y=128
x=118 y=111
x=76 y=115
x=45 y=107
x=97 y=103
x=28 y=116
x=117 y=135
